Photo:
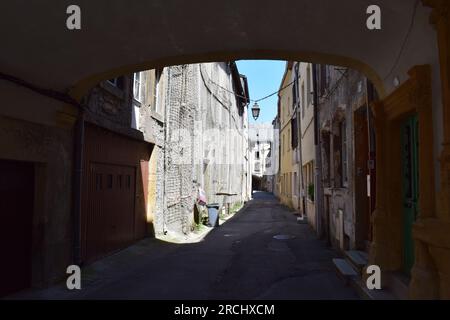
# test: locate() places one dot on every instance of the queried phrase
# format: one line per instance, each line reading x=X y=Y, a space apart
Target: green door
x=410 y=190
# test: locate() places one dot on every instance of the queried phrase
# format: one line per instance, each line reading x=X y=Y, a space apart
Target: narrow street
x=239 y=260
x=129 y=130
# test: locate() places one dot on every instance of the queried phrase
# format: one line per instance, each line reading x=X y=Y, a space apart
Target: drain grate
x=283 y=237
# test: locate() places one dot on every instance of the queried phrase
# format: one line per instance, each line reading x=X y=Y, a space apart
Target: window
x=257 y=155
x=323 y=79
x=98 y=181
x=303 y=100
x=137 y=86
x=135 y=116
x=294 y=135
x=295 y=86
x=290 y=183
x=109 y=181
x=295 y=184
x=156 y=88
x=119 y=181
x=308 y=85
x=326 y=167
x=340 y=155
x=157 y=99
x=289 y=138
x=305 y=180
x=311 y=181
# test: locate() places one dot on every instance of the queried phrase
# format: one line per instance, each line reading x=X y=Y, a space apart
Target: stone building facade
x=276 y=178
x=345 y=144
x=115 y=168
x=56 y=158
x=205 y=142
x=288 y=169
x=263 y=142
x=128 y=166
x=304 y=154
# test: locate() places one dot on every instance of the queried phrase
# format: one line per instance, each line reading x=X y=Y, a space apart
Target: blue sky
x=264 y=77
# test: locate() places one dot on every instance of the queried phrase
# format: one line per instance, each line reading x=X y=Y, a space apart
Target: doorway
x=16 y=212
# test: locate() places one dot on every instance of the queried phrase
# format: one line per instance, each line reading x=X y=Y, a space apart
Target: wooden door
x=362 y=205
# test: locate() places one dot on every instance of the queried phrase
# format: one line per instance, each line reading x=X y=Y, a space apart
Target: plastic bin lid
x=213 y=205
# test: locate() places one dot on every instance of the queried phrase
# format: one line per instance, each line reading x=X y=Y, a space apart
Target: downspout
x=301 y=185
x=318 y=191
x=302 y=179
x=77 y=186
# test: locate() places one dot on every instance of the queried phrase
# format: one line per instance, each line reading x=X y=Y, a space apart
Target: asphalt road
x=241 y=259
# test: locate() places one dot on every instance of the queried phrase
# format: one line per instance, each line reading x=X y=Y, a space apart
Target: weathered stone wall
x=112 y=108
x=51 y=150
x=345 y=91
x=204 y=142
x=111 y=104
x=226 y=148
x=152 y=126
x=178 y=180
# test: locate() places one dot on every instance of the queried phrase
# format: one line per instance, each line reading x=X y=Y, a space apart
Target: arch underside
x=119 y=37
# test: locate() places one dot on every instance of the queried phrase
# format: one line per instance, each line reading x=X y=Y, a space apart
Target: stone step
x=358 y=259
x=398 y=284
x=345 y=270
x=360 y=286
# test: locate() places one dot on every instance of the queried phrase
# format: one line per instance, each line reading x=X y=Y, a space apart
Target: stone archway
x=74 y=62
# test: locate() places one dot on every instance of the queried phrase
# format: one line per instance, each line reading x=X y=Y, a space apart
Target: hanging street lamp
x=255 y=111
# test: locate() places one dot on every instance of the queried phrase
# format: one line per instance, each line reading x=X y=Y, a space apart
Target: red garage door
x=113 y=202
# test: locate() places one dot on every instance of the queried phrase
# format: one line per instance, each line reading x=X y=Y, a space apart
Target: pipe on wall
x=318 y=190
x=77 y=186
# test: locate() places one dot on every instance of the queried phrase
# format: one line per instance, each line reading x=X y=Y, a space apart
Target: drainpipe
x=77 y=186
x=301 y=185
x=318 y=191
